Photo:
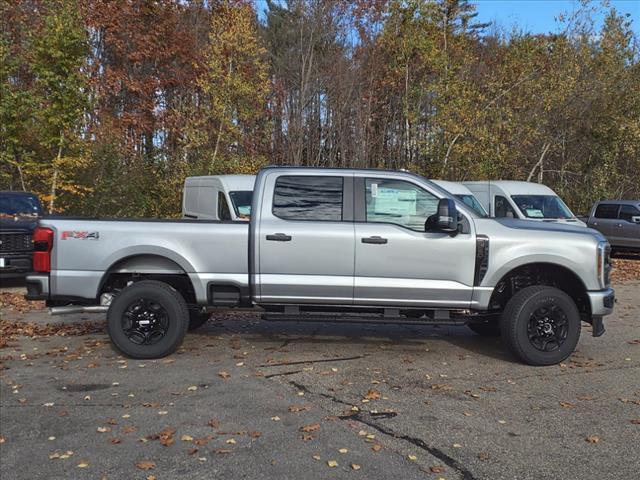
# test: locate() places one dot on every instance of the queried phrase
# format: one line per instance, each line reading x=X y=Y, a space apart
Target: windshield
x=241 y=201
x=19 y=205
x=542 y=206
x=473 y=202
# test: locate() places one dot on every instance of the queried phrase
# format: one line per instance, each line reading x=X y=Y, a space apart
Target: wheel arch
x=541 y=273
x=148 y=266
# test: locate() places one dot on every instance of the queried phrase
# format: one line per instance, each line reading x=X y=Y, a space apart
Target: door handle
x=375 y=240
x=279 y=237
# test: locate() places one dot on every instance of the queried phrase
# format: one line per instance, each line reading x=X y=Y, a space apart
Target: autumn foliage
x=107 y=105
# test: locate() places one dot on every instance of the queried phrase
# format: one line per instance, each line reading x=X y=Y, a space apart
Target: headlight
x=603 y=263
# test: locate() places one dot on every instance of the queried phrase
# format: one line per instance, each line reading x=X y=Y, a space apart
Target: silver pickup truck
x=332 y=245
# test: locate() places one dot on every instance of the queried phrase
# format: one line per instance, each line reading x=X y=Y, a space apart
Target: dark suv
x=19 y=213
x=619 y=221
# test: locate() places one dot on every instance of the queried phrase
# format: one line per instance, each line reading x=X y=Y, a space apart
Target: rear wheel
x=541 y=325
x=148 y=319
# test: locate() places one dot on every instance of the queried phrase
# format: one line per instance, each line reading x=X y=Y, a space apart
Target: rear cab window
x=309 y=197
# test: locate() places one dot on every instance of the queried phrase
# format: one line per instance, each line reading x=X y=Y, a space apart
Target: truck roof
x=227 y=182
x=620 y=202
x=513 y=187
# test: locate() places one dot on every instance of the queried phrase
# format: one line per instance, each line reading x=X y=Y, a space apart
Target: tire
x=491 y=329
x=157 y=317
x=541 y=325
x=197 y=318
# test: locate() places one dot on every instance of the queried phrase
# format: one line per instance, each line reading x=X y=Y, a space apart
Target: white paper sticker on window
x=374 y=190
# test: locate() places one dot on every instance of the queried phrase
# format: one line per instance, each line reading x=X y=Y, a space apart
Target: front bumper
x=37 y=287
x=602 y=301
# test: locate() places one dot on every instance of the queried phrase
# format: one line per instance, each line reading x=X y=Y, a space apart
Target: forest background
x=107 y=105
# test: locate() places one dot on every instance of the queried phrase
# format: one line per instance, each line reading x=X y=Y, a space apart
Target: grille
x=15 y=242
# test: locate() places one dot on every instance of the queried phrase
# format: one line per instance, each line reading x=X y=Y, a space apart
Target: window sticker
x=392 y=201
x=374 y=190
x=534 y=213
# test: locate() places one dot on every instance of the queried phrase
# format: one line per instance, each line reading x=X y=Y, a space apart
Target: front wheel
x=541 y=325
x=148 y=319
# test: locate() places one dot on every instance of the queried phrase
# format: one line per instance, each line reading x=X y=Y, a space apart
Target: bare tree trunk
x=446 y=157
x=54 y=181
x=24 y=189
x=539 y=164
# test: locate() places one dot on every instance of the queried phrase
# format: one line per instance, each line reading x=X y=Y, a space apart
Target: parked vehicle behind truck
x=524 y=200
x=218 y=197
x=461 y=192
x=19 y=213
x=332 y=245
x=619 y=221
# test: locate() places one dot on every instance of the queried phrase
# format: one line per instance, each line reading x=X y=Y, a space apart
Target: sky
x=532 y=16
x=538 y=16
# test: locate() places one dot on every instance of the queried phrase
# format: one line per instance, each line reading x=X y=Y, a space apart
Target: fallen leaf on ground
x=186 y=438
x=372 y=395
x=355 y=466
x=437 y=469
x=343 y=450
x=592 y=439
x=299 y=408
x=413 y=458
x=146 y=465
x=312 y=427
x=224 y=375
x=332 y=463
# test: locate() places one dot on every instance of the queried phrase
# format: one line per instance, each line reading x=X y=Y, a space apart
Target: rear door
x=306 y=238
x=396 y=261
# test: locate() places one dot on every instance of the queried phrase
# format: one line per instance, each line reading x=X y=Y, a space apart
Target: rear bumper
x=37 y=287
x=15 y=264
x=602 y=301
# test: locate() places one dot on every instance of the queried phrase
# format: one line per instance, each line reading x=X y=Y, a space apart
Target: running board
x=351 y=318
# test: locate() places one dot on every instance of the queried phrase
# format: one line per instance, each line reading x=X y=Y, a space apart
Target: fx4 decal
x=81 y=235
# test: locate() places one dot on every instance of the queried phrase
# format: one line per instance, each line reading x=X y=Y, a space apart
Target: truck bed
x=207 y=251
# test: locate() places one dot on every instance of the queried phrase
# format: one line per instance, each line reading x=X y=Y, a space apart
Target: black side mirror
x=446 y=220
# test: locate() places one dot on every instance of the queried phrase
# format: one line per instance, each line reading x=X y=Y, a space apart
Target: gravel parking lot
x=250 y=399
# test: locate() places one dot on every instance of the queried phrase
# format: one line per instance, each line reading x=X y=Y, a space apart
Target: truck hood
x=24 y=224
x=559 y=227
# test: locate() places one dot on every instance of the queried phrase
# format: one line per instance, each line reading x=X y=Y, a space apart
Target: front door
x=396 y=261
x=629 y=217
x=306 y=239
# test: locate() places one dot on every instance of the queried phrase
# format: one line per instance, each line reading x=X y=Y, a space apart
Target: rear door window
x=607 y=210
x=308 y=197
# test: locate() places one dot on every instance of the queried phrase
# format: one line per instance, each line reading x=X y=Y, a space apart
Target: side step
x=392 y=317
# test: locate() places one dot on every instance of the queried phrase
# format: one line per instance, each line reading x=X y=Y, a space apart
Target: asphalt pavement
x=244 y=398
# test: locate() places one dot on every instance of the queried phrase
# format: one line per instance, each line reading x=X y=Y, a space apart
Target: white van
x=525 y=200
x=461 y=192
x=218 y=197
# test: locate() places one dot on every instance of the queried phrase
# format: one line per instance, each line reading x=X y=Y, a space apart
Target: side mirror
x=446 y=220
